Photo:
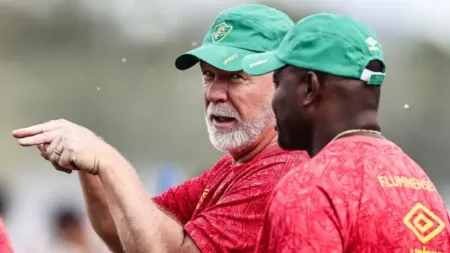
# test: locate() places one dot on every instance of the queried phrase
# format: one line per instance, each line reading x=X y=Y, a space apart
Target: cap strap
x=372 y=78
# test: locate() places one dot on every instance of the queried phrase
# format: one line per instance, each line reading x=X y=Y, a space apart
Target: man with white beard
x=223 y=209
x=240 y=133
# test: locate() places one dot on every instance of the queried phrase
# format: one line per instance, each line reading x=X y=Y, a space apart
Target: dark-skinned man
x=360 y=192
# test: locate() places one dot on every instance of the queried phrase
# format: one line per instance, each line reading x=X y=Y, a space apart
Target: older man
x=221 y=210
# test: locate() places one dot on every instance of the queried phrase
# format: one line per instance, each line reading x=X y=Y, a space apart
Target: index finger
x=38 y=139
x=36 y=129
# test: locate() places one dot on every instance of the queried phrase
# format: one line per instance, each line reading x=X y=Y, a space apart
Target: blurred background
x=109 y=65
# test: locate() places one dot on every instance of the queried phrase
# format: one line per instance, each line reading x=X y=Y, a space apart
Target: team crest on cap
x=222 y=30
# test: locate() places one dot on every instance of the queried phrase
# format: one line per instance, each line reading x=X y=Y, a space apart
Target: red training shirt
x=359 y=194
x=5 y=244
x=223 y=209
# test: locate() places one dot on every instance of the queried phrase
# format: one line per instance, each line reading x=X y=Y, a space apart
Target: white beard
x=244 y=134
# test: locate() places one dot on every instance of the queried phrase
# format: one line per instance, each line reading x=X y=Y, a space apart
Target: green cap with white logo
x=237 y=32
x=333 y=44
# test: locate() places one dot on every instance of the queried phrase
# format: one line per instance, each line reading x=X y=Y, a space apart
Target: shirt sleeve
x=232 y=225
x=180 y=201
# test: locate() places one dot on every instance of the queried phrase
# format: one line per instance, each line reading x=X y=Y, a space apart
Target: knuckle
x=70 y=130
x=71 y=147
x=72 y=159
x=53 y=158
x=44 y=135
x=54 y=122
x=62 y=163
x=61 y=122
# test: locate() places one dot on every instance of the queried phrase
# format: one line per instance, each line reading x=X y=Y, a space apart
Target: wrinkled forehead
x=264 y=83
x=206 y=66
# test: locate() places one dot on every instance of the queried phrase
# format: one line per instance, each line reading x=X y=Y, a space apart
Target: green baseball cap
x=333 y=44
x=237 y=32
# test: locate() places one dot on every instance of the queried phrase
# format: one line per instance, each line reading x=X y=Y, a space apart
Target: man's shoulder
x=272 y=156
x=274 y=160
x=353 y=153
x=276 y=155
x=343 y=162
x=275 y=163
x=358 y=146
x=334 y=162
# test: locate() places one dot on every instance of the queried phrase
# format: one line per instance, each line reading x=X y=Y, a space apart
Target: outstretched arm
x=141 y=225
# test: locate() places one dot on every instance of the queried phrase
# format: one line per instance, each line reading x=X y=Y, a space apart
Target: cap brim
x=222 y=57
x=261 y=64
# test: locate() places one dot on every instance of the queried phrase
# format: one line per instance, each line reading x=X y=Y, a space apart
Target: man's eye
x=208 y=74
x=236 y=76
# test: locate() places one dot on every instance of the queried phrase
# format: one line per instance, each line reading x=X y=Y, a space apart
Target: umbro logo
x=372 y=44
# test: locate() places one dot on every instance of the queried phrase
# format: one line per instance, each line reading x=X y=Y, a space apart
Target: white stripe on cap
x=366 y=74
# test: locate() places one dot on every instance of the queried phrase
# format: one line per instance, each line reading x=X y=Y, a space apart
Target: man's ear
x=312 y=88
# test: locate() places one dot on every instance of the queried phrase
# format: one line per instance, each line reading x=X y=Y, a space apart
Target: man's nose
x=217 y=92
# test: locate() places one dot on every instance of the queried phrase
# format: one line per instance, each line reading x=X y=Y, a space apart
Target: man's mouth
x=223 y=121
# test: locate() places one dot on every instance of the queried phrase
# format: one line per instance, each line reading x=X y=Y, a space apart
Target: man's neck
x=264 y=142
x=327 y=131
